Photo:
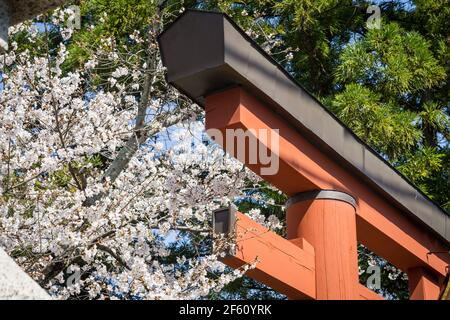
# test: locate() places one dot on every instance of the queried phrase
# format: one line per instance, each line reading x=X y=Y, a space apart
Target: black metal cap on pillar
x=322 y=195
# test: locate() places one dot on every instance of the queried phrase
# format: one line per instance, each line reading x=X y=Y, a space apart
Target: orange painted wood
x=367 y=294
x=423 y=285
x=281 y=265
x=364 y=293
x=330 y=226
x=382 y=227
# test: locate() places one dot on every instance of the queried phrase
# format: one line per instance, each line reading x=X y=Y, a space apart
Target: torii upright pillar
x=327 y=220
x=422 y=284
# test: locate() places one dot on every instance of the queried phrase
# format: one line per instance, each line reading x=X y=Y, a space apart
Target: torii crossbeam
x=341 y=192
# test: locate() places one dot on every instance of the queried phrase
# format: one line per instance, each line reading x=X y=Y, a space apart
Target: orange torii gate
x=341 y=192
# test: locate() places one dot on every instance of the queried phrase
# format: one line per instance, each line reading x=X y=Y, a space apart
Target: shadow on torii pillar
x=341 y=192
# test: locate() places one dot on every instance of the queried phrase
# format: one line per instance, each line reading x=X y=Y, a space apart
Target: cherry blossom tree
x=105 y=169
